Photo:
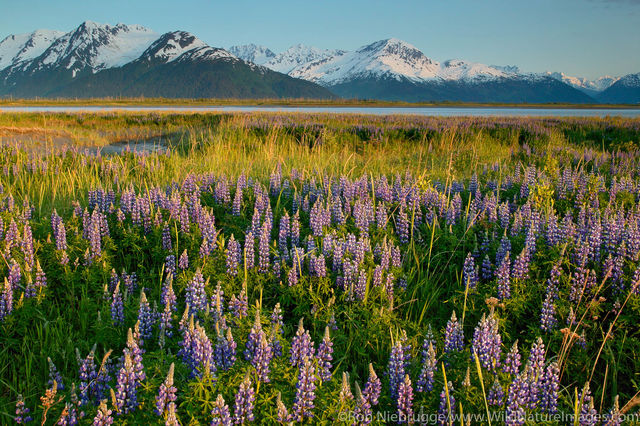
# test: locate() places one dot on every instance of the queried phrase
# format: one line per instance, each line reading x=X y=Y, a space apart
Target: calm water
x=423 y=111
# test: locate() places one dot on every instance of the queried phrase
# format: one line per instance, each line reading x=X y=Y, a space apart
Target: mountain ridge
x=48 y=62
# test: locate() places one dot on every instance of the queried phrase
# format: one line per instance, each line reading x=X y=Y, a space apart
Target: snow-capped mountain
x=95 y=47
x=299 y=55
x=590 y=87
x=252 y=53
x=625 y=90
x=181 y=45
x=393 y=69
x=24 y=47
x=391 y=58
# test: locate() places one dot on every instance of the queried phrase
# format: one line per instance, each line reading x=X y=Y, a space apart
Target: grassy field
x=318 y=268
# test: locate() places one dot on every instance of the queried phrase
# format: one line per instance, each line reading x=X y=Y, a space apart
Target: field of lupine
x=272 y=268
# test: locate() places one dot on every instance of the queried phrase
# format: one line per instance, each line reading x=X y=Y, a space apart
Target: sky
x=586 y=38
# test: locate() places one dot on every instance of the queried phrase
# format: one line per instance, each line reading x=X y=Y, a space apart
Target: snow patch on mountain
x=597 y=85
x=24 y=47
x=299 y=55
x=252 y=53
x=182 y=45
x=97 y=47
x=630 y=80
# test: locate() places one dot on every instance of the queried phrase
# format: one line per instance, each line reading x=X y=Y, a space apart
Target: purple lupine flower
x=588 y=415
x=294 y=230
x=453 y=335
x=195 y=293
x=245 y=400
x=320 y=268
x=69 y=415
x=87 y=376
x=537 y=355
x=469 y=273
x=396 y=368
x=487 y=268
x=512 y=361
x=130 y=282
x=447 y=404
x=360 y=288
x=263 y=250
x=93 y=234
x=362 y=411
x=516 y=400
x=274 y=341
x=103 y=416
x=381 y=215
x=170 y=265
x=521 y=265
x=249 y=256
x=220 y=414
x=262 y=358
x=41 y=277
x=405 y=401
x=183 y=260
x=197 y=350
x=15 y=274
x=225 y=351
x=145 y=318
x=550 y=385
x=166 y=238
x=59 y=231
x=495 y=397
x=553 y=282
x=505 y=247
x=167 y=295
x=283 y=414
x=27 y=247
x=126 y=399
x=292 y=275
x=22 y=412
x=217 y=306
x=402 y=225
x=276 y=318
x=237 y=201
x=305 y=391
x=166 y=393
x=487 y=342
x=11 y=237
x=6 y=300
x=239 y=305
x=301 y=346
x=184 y=219
x=253 y=340
x=134 y=350
x=233 y=256
x=373 y=387
x=548 y=314
x=504 y=279
x=117 y=307
x=324 y=356
x=426 y=379
x=54 y=375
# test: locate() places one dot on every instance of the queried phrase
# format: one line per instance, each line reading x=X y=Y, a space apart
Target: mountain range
x=96 y=60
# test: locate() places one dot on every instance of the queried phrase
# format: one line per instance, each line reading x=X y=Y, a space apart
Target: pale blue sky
x=586 y=38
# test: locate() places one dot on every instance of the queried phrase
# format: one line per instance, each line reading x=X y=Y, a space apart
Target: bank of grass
x=185 y=102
